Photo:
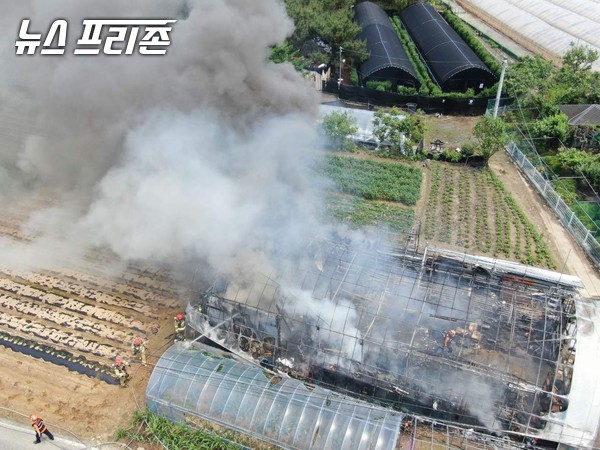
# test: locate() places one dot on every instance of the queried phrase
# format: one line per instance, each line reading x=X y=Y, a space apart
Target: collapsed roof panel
x=491 y=345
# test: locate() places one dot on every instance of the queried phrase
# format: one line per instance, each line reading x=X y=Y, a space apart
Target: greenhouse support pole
x=500 y=83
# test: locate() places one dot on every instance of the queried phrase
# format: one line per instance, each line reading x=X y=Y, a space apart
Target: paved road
x=16 y=436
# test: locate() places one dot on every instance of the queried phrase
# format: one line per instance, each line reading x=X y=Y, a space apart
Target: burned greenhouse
x=492 y=345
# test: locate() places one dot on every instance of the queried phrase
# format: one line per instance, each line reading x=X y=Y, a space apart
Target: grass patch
x=359 y=212
x=150 y=428
x=374 y=180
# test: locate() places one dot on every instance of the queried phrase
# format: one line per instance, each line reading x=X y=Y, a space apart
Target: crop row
x=470 y=208
x=375 y=180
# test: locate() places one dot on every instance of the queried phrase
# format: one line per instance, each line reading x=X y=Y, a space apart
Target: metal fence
x=578 y=230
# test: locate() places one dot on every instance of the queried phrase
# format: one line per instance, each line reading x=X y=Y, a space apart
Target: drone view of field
x=69 y=323
x=310 y=215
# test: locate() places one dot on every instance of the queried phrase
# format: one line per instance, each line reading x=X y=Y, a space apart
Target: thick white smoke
x=201 y=153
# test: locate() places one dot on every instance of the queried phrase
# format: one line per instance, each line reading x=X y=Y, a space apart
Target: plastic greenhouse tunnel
x=208 y=384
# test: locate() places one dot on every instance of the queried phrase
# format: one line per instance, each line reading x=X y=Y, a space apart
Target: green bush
x=566 y=189
x=465 y=33
x=406 y=90
x=453 y=156
x=379 y=85
x=413 y=54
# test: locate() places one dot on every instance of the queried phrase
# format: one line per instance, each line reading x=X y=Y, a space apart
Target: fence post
x=571 y=218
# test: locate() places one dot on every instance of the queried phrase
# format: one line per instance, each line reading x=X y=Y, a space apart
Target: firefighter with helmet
x=138 y=347
x=120 y=368
x=40 y=428
x=448 y=338
x=180 y=327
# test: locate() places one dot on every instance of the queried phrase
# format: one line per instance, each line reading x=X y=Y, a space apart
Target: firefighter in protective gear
x=180 y=327
x=120 y=368
x=138 y=347
x=40 y=428
x=450 y=335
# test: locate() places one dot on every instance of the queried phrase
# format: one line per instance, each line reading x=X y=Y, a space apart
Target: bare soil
x=91 y=312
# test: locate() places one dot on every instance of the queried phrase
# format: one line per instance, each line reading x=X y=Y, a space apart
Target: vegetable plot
x=469 y=208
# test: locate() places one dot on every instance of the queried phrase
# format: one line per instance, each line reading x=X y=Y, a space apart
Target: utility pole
x=500 y=83
x=340 y=77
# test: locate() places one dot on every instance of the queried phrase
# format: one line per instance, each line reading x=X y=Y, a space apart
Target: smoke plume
x=200 y=153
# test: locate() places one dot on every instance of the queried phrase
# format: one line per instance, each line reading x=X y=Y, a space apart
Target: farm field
x=61 y=329
x=371 y=191
x=463 y=207
x=470 y=209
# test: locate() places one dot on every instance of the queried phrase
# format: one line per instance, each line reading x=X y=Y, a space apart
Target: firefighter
x=138 y=347
x=40 y=428
x=120 y=368
x=180 y=327
x=448 y=338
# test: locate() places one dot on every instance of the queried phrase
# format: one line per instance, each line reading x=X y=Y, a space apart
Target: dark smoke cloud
x=197 y=154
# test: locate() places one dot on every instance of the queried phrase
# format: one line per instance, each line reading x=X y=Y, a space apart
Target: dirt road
x=571 y=259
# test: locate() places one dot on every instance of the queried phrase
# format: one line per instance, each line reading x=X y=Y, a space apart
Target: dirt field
x=84 y=317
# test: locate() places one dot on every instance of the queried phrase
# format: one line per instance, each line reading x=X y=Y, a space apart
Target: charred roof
x=454 y=337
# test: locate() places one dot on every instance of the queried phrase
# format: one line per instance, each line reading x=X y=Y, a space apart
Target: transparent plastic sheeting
x=190 y=384
x=551 y=24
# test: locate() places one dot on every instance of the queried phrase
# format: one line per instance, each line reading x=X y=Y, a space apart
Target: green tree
x=414 y=127
x=491 y=135
x=330 y=20
x=387 y=128
x=579 y=58
x=395 y=127
x=283 y=53
x=576 y=82
x=554 y=127
x=338 y=128
x=581 y=162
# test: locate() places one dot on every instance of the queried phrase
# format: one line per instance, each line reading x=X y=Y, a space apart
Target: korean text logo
x=107 y=36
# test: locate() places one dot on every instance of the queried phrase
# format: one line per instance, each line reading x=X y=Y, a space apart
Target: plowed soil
x=84 y=316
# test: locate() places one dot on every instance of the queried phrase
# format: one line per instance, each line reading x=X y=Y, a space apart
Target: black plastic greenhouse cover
x=454 y=65
x=205 y=383
x=388 y=59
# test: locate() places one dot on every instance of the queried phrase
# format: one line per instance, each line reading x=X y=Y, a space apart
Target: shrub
x=379 y=85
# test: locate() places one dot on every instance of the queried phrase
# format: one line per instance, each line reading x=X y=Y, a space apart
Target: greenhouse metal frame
x=371 y=323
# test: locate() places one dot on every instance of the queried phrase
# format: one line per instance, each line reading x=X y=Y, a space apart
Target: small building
x=585 y=119
x=388 y=60
x=454 y=65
